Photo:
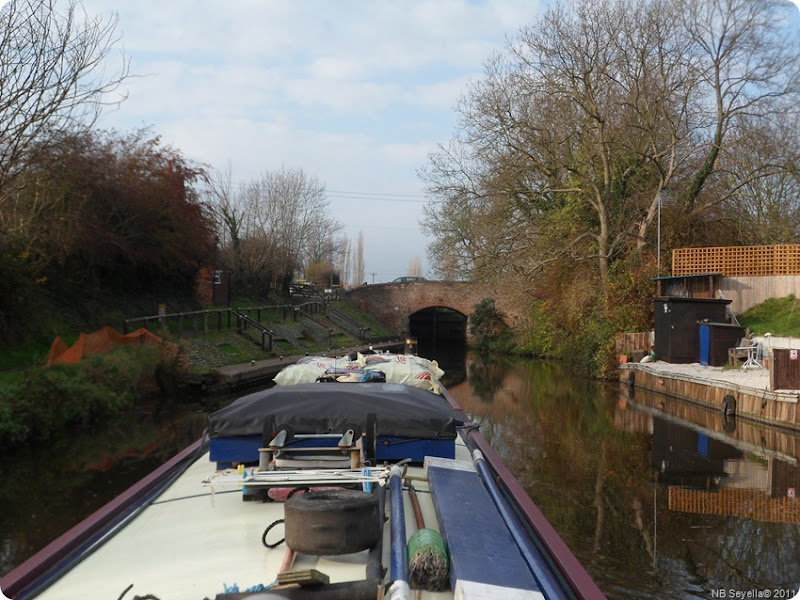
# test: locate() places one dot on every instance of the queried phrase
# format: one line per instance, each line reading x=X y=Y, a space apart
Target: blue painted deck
x=482 y=549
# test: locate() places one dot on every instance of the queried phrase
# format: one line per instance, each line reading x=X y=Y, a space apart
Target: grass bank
x=37 y=402
x=778 y=316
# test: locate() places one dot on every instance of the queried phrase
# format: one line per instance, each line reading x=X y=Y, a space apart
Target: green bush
x=537 y=339
x=488 y=328
x=41 y=401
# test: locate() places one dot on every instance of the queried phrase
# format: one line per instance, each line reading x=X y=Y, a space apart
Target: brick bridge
x=397 y=305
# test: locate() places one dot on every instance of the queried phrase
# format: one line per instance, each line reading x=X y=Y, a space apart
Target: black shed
x=676 y=325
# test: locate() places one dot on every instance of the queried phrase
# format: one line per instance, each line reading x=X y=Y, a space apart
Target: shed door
x=705 y=344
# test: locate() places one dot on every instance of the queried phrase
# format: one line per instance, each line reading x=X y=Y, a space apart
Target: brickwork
x=393 y=303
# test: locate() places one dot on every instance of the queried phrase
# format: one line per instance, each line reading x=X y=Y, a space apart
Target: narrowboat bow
x=323 y=490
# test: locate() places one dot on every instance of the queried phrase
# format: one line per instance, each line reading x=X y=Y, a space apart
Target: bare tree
x=228 y=211
x=762 y=177
x=359 y=270
x=748 y=68
x=567 y=143
x=54 y=76
x=284 y=219
x=414 y=267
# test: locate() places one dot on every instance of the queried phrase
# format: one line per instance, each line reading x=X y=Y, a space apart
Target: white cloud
x=354 y=92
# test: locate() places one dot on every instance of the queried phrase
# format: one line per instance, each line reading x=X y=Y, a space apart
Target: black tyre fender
x=729 y=406
x=728 y=423
x=332 y=522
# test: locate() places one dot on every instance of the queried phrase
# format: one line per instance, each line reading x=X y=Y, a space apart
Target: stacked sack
x=396 y=368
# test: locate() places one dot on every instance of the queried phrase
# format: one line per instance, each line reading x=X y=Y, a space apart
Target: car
x=408 y=279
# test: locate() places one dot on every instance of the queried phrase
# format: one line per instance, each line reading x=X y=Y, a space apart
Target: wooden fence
x=203 y=321
x=630 y=343
x=738 y=261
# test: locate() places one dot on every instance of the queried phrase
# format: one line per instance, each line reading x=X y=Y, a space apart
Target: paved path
x=751 y=377
x=269 y=367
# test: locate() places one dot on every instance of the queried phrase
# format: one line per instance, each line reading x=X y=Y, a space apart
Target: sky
x=356 y=93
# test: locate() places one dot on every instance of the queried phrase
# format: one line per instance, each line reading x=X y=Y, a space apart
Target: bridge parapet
x=393 y=303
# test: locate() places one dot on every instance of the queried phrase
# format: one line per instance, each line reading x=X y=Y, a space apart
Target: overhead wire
x=357 y=195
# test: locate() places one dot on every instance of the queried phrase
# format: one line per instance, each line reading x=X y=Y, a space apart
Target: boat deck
x=164 y=557
x=214 y=534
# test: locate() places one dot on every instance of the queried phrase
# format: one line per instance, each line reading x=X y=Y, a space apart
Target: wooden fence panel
x=732 y=261
x=785 y=371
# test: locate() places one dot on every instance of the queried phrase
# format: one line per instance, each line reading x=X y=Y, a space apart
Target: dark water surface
x=47 y=490
x=657 y=498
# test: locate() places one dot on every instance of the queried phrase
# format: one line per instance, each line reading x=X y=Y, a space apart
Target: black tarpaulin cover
x=315 y=408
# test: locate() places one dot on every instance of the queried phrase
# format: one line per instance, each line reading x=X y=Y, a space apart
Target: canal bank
x=744 y=393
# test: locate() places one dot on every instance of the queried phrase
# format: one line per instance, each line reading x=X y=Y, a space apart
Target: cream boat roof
x=189 y=544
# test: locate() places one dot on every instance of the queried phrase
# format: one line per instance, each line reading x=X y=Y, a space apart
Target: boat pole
x=536 y=563
x=399 y=589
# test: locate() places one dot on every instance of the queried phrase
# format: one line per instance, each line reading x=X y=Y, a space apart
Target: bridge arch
x=440 y=323
x=394 y=304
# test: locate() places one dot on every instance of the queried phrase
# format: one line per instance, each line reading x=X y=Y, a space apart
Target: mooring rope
x=266 y=531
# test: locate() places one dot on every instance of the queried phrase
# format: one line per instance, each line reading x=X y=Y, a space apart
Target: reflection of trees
x=73 y=476
x=751 y=553
x=485 y=378
x=598 y=501
x=595 y=484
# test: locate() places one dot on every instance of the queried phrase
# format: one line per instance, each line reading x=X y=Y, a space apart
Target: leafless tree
x=274 y=225
x=289 y=206
x=762 y=183
x=359 y=270
x=567 y=143
x=55 y=76
x=228 y=211
x=414 y=267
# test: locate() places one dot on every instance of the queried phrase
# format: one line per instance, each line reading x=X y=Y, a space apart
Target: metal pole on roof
x=658 y=248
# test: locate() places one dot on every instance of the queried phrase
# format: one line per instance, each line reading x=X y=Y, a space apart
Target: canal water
x=657 y=498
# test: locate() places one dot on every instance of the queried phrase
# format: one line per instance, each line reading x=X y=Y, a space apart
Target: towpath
x=240 y=375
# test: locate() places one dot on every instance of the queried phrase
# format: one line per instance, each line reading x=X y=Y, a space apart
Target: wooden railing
x=203 y=321
x=198 y=321
x=243 y=320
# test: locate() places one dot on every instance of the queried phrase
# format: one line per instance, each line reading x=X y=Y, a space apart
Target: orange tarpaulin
x=102 y=340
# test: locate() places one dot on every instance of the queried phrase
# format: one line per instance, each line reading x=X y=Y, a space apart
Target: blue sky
x=354 y=92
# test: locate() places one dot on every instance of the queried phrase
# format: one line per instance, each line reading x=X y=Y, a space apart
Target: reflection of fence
x=738 y=261
x=735 y=502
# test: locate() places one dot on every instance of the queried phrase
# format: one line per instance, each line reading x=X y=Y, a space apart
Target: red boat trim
x=37 y=565
x=572 y=570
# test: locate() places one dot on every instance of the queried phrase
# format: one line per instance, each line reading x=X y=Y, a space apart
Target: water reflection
x=657 y=498
x=46 y=491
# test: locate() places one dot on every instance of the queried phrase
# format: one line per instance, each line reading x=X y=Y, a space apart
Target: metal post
x=658 y=250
